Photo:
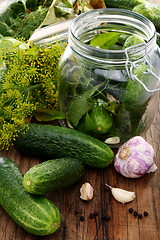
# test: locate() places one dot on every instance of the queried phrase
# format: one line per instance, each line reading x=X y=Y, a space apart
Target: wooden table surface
x=122 y=224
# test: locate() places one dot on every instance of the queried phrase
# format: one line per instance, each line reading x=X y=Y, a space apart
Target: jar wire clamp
x=130 y=65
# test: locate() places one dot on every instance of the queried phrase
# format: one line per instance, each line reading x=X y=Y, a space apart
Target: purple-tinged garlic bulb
x=134 y=158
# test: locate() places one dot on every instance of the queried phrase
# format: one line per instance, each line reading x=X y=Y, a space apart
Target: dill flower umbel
x=29 y=81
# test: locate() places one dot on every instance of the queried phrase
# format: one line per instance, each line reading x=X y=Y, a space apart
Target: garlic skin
x=121 y=195
x=153 y=168
x=134 y=158
x=86 y=192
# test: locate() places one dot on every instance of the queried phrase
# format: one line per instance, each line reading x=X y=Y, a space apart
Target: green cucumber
x=150 y=11
x=97 y=121
x=52 y=175
x=101 y=120
x=132 y=40
x=49 y=141
x=126 y=4
x=35 y=214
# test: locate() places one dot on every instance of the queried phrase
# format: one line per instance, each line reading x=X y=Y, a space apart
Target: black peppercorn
x=135 y=213
x=95 y=213
x=106 y=217
x=81 y=218
x=130 y=210
x=91 y=215
x=145 y=213
x=140 y=215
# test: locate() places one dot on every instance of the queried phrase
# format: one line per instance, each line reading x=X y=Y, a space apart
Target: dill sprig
x=29 y=81
x=24 y=25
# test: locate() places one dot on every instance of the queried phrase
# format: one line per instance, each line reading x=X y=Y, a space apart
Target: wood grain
x=122 y=224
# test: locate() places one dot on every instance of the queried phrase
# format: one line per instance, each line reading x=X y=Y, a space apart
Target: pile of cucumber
x=66 y=153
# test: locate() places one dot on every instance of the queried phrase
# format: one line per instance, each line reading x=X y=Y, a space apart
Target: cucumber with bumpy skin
x=49 y=141
x=151 y=11
x=97 y=121
x=35 y=214
x=125 y=4
x=52 y=175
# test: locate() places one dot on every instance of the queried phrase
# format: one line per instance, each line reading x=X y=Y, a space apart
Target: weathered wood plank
x=122 y=225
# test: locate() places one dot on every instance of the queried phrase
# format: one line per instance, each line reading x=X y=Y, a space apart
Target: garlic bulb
x=134 y=158
x=86 y=192
x=122 y=195
x=153 y=168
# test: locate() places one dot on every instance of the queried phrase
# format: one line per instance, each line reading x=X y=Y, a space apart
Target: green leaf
x=110 y=106
x=90 y=124
x=9 y=43
x=5 y=30
x=105 y=40
x=58 y=11
x=49 y=115
x=77 y=108
x=80 y=104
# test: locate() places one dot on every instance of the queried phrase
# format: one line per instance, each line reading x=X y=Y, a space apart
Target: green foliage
x=24 y=25
x=105 y=40
x=126 y=4
x=48 y=114
x=29 y=82
x=80 y=104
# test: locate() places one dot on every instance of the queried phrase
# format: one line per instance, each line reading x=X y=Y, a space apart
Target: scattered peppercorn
x=145 y=213
x=135 y=213
x=81 y=218
x=139 y=215
x=130 y=210
x=106 y=217
x=91 y=215
x=95 y=213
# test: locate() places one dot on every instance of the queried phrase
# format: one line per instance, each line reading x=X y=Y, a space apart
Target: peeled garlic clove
x=86 y=192
x=122 y=195
x=112 y=140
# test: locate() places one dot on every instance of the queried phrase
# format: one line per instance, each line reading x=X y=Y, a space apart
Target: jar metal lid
x=130 y=65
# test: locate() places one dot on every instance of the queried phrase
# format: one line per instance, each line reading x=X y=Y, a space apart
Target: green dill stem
x=35 y=87
x=31 y=89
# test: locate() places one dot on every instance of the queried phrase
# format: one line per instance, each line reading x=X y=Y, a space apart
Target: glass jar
x=110 y=93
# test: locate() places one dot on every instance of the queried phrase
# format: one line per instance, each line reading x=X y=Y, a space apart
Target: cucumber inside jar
x=102 y=101
x=96 y=121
